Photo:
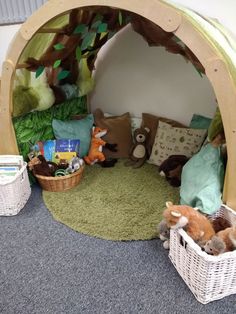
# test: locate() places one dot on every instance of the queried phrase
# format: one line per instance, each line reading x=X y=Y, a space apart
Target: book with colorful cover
x=58 y=150
x=65 y=150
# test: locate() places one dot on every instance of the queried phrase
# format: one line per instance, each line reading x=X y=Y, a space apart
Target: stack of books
x=62 y=150
x=10 y=165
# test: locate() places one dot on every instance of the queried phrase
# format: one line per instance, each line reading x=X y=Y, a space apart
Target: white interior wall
x=131 y=76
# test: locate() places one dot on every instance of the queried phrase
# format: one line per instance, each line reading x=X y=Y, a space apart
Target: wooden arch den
x=167 y=17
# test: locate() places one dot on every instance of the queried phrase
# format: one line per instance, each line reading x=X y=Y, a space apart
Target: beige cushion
x=151 y=121
x=171 y=140
x=119 y=132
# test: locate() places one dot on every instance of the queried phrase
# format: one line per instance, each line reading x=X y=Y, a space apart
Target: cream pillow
x=171 y=140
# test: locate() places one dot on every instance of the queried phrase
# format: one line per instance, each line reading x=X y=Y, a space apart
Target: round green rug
x=117 y=203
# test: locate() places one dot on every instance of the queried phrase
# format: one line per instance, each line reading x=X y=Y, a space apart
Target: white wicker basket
x=15 y=194
x=208 y=277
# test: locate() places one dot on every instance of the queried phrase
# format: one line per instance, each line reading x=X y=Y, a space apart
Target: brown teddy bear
x=138 y=151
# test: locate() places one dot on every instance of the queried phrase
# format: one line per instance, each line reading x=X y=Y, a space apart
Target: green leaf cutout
x=56 y=64
x=96 y=24
x=39 y=71
x=78 y=53
x=98 y=17
x=102 y=28
x=87 y=41
x=59 y=46
x=120 y=18
x=85 y=32
x=63 y=74
x=80 y=29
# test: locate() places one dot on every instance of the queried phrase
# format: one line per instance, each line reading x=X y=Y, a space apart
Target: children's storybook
x=58 y=150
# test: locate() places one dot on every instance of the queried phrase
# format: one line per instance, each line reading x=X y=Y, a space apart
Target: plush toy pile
x=40 y=166
x=213 y=237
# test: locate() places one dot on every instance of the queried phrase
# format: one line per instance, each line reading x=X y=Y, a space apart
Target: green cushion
x=75 y=129
x=200 y=122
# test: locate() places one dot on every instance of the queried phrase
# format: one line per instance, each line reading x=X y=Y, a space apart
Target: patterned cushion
x=171 y=140
x=151 y=121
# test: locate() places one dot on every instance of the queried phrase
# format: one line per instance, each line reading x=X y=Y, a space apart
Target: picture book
x=58 y=150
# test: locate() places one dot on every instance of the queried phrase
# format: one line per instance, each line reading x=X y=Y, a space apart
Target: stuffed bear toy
x=171 y=168
x=197 y=226
x=41 y=167
x=138 y=152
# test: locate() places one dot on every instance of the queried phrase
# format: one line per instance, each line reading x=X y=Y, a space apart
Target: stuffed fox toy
x=95 y=152
x=197 y=226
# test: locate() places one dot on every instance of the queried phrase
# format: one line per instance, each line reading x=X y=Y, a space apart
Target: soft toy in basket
x=208 y=277
x=57 y=177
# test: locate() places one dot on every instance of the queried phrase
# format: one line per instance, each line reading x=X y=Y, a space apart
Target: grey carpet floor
x=45 y=267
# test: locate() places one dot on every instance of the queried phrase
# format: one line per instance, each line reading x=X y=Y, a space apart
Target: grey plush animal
x=215 y=246
x=164 y=234
x=74 y=164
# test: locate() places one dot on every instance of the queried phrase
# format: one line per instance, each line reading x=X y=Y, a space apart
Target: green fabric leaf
x=59 y=46
x=85 y=32
x=39 y=71
x=98 y=17
x=63 y=74
x=56 y=64
x=96 y=24
x=37 y=125
x=102 y=28
x=80 y=29
x=87 y=41
x=120 y=18
x=78 y=53
x=26 y=135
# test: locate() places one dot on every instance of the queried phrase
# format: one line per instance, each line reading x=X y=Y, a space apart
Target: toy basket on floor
x=15 y=194
x=208 y=277
x=59 y=184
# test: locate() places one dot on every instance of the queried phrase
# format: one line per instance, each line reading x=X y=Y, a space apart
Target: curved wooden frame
x=165 y=16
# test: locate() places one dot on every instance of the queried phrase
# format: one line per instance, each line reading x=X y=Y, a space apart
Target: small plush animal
x=95 y=152
x=74 y=164
x=171 y=168
x=223 y=241
x=138 y=152
x=40 y=166
x=164 y=233
x=197 y=226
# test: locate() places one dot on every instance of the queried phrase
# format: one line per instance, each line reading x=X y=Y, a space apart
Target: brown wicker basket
x=58 y=184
